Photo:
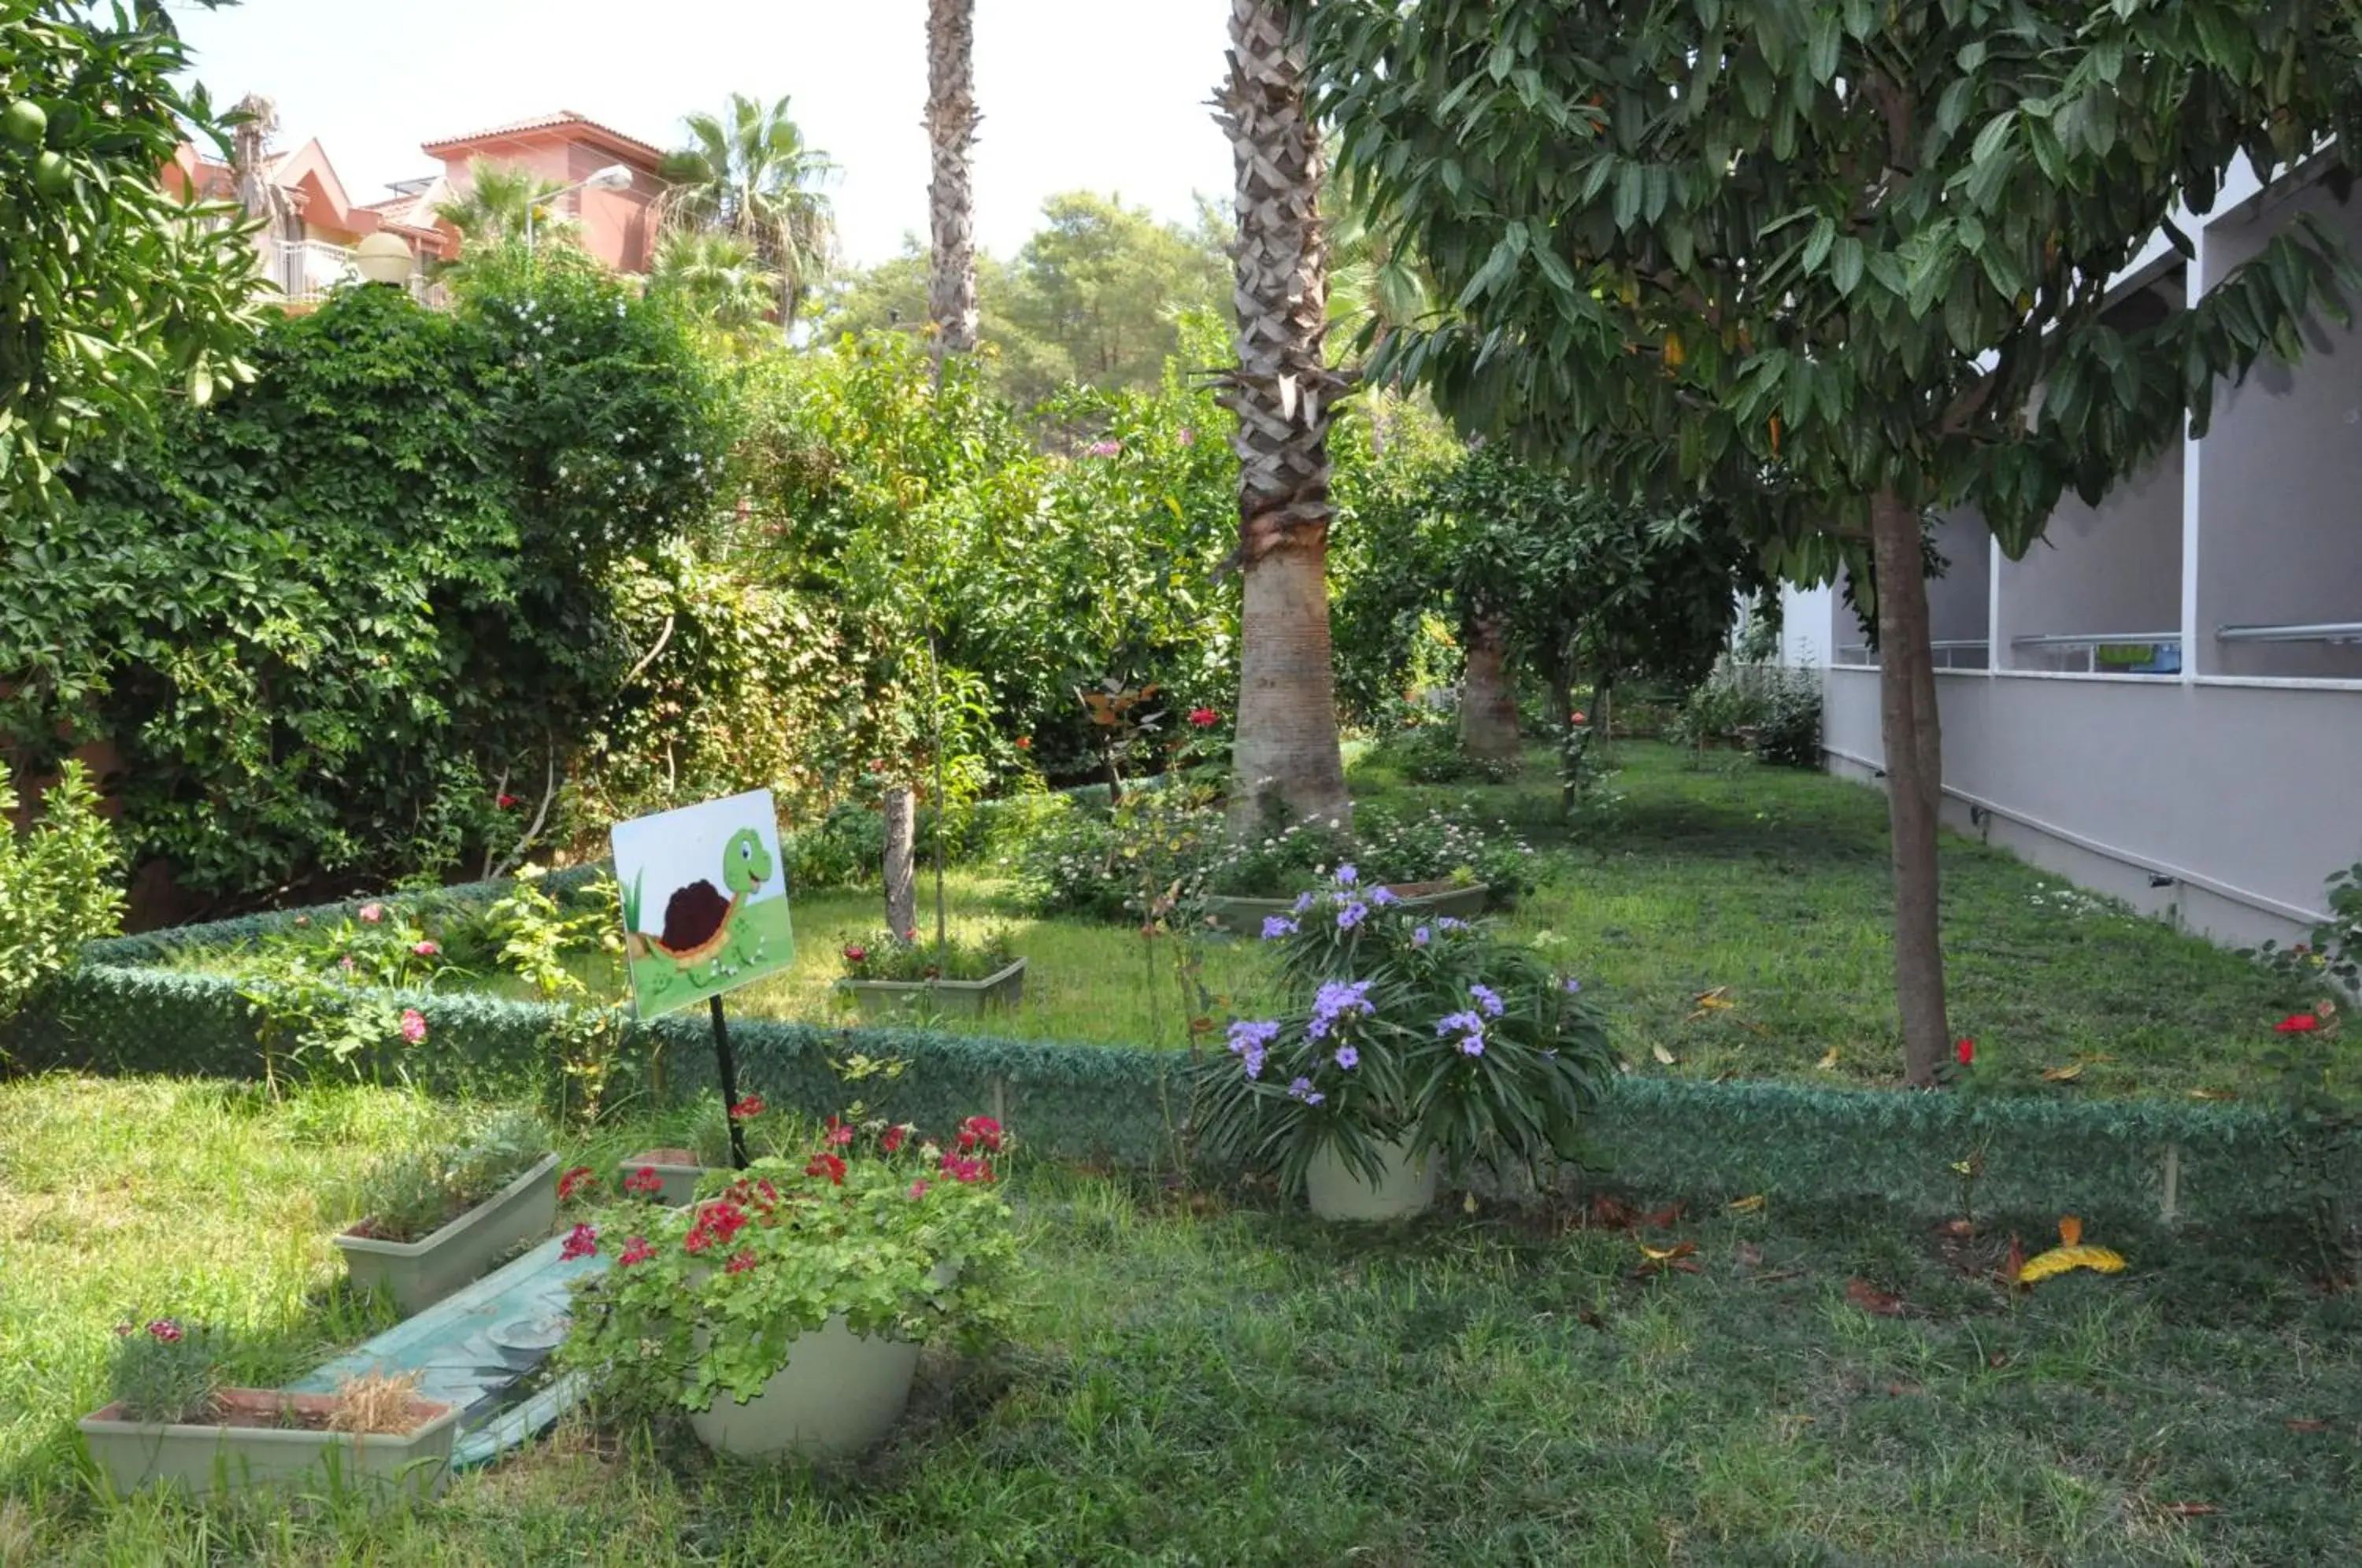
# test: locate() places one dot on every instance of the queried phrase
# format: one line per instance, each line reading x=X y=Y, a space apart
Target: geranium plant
x=897 y=1234
x=1404 y=1028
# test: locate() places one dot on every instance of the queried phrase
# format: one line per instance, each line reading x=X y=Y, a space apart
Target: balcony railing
x=2110 y=653
x=1951 y=653
x=305 y=271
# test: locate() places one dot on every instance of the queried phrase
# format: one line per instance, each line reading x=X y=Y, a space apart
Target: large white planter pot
x=422 y=1273
x=204 y=1461
x=838 y=1394
x=1337 y=1191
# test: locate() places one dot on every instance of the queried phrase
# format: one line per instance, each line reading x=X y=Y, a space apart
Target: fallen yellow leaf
x=1663 y=1254
x=1662 y=1055
x=2212 y=1094
x=2065 y=1075
x=1829 y=1059
x=1719 y=999
x=2063 y=1260
x=1746 y=1205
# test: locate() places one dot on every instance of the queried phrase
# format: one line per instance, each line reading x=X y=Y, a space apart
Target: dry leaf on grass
x=1748 y=1205
x=2190 y=1510
x=2308 y=1426
x=2066 y=1075
x=1664 y=1056
x=1829 y=1059
x=1871 y=1299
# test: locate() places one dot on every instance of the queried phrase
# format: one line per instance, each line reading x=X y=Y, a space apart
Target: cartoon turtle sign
x=705 y=901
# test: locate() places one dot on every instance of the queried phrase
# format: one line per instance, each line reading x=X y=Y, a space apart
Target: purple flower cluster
x=1573 y=986
x=1352 y=915
x=1347 y=876
x=1104 y=448
x=1303 y=902
x=1276 y=926
x=1488 y=1001
x=1338 y=1000
x=1382 y=896
x=1251 y=1042
x=1348 y=1057
x=1302 y=1089
x=1422 y=935
x=1468 y=1026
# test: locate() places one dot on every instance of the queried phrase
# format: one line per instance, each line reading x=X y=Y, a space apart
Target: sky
x=1108 y=95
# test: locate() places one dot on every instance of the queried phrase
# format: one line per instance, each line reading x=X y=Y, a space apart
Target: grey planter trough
x=422 y=1273
x=883 y=998
x=1247 y=915
x=680 y=1175
x=204 y=1461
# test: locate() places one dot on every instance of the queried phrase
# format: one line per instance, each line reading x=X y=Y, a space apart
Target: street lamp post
x=614 y=177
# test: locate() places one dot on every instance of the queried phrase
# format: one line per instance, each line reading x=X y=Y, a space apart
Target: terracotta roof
x=544 y=122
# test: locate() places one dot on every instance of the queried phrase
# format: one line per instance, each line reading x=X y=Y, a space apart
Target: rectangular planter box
x=422 y=1273
x=206 y=1460
x=883 y=998
x=679 y=1180
x=1437 y=898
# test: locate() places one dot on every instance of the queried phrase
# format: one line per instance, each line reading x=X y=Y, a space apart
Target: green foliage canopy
x=113 y=295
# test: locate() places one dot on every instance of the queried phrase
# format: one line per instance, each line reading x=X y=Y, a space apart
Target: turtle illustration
x=697 y=919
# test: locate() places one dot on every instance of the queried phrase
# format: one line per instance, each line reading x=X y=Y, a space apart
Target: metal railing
x=2319 y=632
x=1951 y=653
x=307 y=269
x=2117 y=653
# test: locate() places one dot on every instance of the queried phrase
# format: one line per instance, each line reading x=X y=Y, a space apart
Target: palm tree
x=493 y=208
x=720 y=277
x=951 y=198
x=749 y=172
x=1286 y=748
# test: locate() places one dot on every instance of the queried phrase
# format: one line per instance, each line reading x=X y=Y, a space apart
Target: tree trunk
x=1282 y=393
x=1287 y=707
x=1488 y=701
x=902 y=873
x=951 y=200
x=1915 y=781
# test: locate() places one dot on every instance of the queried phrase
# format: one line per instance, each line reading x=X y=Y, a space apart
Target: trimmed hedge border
x=2112 y=1162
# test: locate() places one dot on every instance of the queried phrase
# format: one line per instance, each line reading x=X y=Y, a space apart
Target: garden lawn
x=1205 y=1382
x=1734 y=919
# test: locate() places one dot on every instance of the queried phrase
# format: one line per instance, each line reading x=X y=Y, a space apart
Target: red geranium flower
x=1025 y=742
x=747 y=1109
x=739 y=1263
x=698 y=1240
x=2297 y=1023
x=981 y=1129
x=829 y=1165
x=574 y=1181
x=505 y=802
x=1204 y=718
x=892 y=1139
x=580 y=1242
x=635 y=1250
x=838 y=1134
x=1965 y=1049
x=644 y=1179
x=725 y=1218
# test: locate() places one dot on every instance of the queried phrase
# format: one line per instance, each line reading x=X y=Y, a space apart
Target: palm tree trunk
x=1488 y=702
x=951 y=200
x=1282 y=393
x=1915 y=781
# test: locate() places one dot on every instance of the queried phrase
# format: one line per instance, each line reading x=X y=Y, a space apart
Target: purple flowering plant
x=1404 y=1026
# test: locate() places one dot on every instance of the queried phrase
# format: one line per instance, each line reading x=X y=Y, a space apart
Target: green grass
x=1218 y=1382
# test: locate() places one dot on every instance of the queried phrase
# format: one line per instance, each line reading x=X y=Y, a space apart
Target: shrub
x=1404 y=1028
x=1788 y=726
x=57 y=886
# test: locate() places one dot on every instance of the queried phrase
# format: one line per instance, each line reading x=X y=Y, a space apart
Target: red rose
x=1965 y=1049
x=1576 y=718
x=1025 y=742
x=855 y=953
x=1204 y=718
x=2297 y=1023
x=505 y=802
x=747 y=1109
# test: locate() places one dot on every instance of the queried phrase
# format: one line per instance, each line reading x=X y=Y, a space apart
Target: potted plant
x=786 y=1312
x=169 y=1423
x=1416 y=1046
x=670 y=1175
x=886 y=972
x=436 y=1219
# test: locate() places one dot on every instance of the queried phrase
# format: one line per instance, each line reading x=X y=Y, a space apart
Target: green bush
x=1788 y=726
x=58 y=885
